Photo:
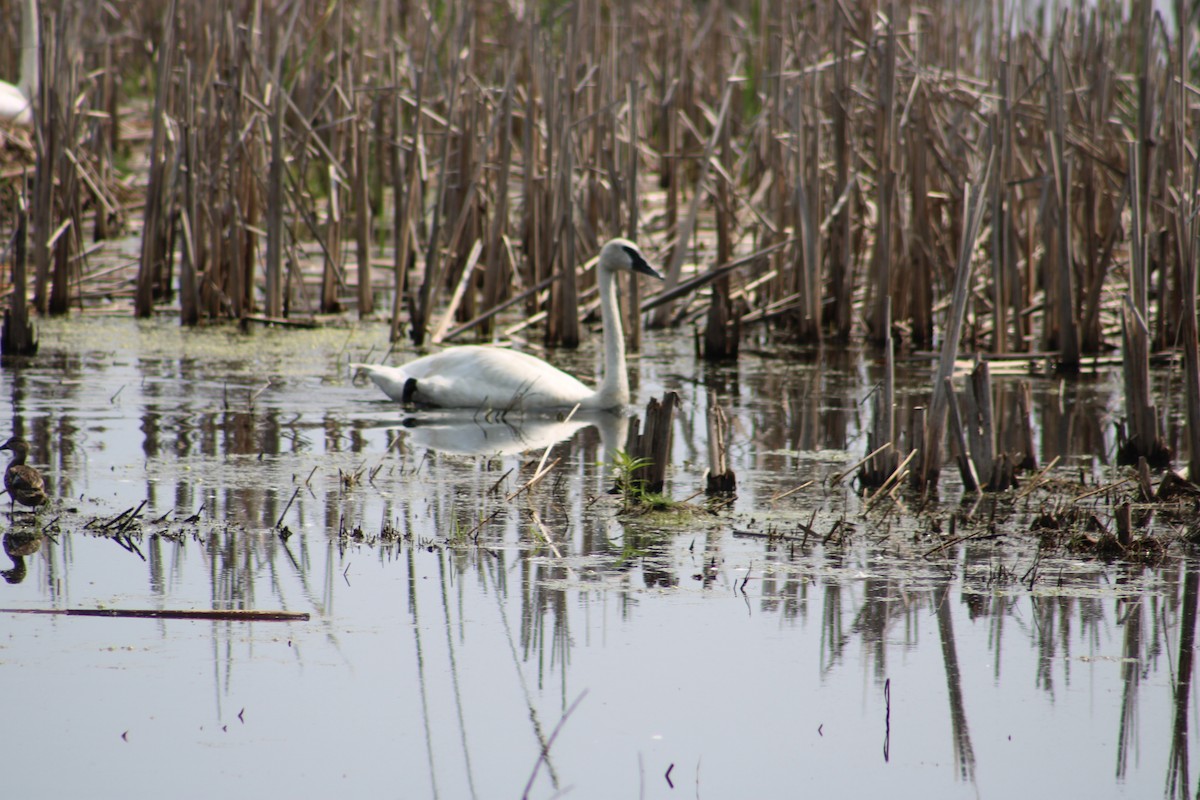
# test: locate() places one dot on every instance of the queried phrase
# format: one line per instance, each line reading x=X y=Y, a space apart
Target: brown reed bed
x=798 y=170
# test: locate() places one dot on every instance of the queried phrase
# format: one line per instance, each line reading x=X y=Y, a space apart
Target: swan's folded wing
x=490 y=378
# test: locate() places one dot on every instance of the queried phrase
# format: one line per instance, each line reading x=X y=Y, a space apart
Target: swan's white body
x=495 y=378
x=14 y=106
x=16 y=102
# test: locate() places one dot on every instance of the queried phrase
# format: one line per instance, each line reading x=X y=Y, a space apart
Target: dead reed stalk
x=713 y=133
x=18 y=337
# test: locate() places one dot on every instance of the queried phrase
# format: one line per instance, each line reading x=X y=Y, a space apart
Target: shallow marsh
x=770 y=649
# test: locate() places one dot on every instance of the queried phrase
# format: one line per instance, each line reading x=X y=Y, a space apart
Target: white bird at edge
x=499 y=379
x=16 y=102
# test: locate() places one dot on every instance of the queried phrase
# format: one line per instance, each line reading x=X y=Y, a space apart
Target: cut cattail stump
x=925 y=471
x=495 y=274
x=684 y=234
x=1028 y=461
x=720 y=479
x=1190 y=343
x=1141 y=438
x=879 y=288
x=880 y=438
x=841 y=255
x=1124 y=520
x=995 y=472
x=362 y=210
x=158 y=216
x=1145 y=487
x=917 y=422
x=722 y=328
x=189 y=293
x=1057 y=231
x=958 y=444
x=274 y=221
x=652 y=445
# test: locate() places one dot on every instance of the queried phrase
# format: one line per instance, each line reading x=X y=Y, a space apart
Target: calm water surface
x=457 y=632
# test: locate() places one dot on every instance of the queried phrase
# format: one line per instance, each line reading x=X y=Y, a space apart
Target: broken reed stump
x=157 y=219
x=722 y=327
x=720 y=478
x=973 y=439
x=1190 y=343
x=1145 y=487
x=958 y=444
x=881 y=437
x=18 y=337
x=1124 y=520
x=362 y=165
x=1028 y=461
x=995 y=471
x=723 y=323
x=916 y=439
x=1139 y=435
x=928 y=466
x=683 y=235
x=652 y=446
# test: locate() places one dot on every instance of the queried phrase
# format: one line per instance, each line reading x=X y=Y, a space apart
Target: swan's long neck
x=614 y=387
x=27 y=82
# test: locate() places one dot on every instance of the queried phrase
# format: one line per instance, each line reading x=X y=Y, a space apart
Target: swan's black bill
x=639 y=264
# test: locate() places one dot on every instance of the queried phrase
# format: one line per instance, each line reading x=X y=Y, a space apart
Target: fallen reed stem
x=234 y=615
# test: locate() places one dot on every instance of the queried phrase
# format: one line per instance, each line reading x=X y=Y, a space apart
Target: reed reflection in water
x=457 y=619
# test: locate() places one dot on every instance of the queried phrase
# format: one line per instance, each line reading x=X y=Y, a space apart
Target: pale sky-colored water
x=437 y=664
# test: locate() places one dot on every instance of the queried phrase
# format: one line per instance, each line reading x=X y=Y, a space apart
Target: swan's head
x=622 y=255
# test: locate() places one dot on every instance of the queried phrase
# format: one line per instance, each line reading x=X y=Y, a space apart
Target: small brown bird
x=23 y=483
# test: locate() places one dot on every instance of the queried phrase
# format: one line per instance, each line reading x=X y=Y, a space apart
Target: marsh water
x=787 y=644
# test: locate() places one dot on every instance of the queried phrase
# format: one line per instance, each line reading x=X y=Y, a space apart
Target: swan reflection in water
x=473 y=434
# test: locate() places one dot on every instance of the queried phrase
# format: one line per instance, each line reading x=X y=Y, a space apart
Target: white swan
x=16 y=102
x=495 y=378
